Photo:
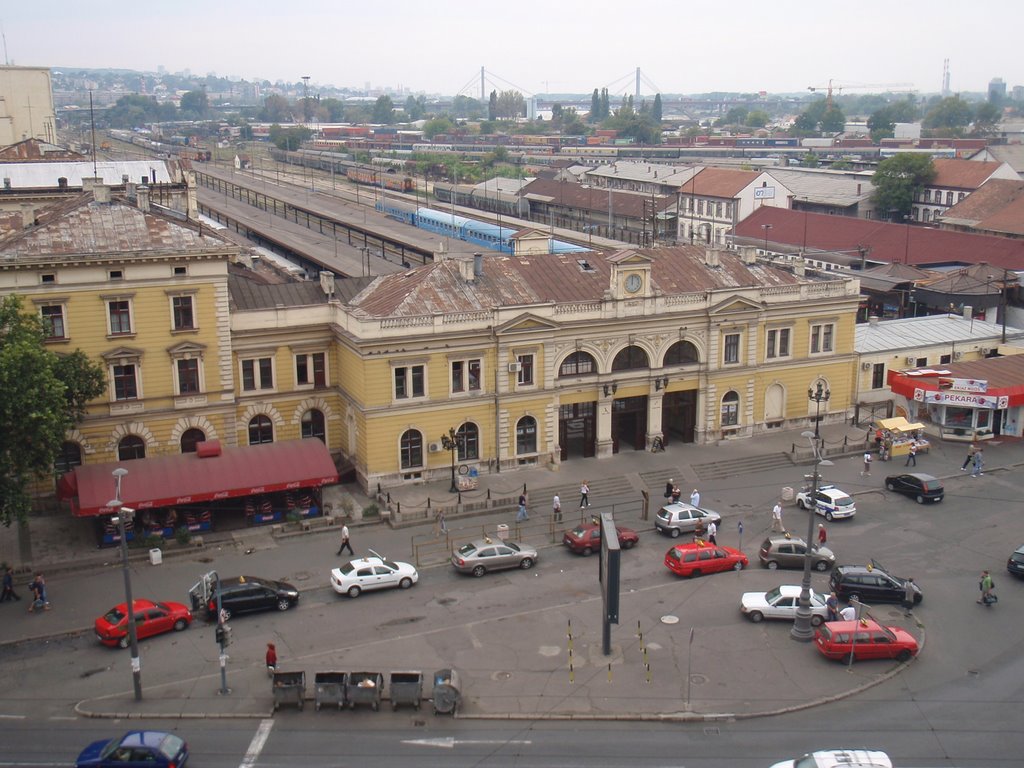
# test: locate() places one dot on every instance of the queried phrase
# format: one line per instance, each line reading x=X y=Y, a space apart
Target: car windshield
x=1017 y=557
x=769 y=596
x=391 y=565
x=114 y=616
x=171 y=745
x=807 y=761
x=109 y=748
x=931 y=485
x=347 y=568
x=579 y=530
x=467 y=549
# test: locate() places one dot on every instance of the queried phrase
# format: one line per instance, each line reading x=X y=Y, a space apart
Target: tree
x=819 y=116
x=384 y=110
x=951 y=115
x=605 y=110
x=898 y=179
x=276 y=109
x=757 y=118
x=44 y=396
x=135 y=111
x=882 y=122
x=511 y=105
x=290 y=138
x=735 y=116
x=415 y=107
x=656 y=109
x=595 y=107
x=335 y=110
x=985 y=118
x=195 y=105
x=436 y=126
x=492 y=106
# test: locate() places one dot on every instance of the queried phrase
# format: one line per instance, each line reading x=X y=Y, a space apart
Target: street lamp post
x=802 y=630
x=126 y=514
x=450 y=444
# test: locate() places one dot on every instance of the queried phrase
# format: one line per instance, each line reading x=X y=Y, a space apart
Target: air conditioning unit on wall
x=515 y=367
x=865 y=366
x=910 y=360
x=957 y=355
x=434 y=447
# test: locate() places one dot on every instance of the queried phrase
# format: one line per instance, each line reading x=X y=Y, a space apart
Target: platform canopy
x=211 y=473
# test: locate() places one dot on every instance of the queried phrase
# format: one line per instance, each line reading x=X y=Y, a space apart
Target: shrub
x=371 y=510
x=183 y=535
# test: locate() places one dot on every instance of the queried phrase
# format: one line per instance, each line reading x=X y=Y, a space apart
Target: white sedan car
x=781 y=603
x=366 y=573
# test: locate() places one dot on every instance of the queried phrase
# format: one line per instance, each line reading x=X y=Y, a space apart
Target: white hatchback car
x=839 y=758
x=781 y=603
x=829 y=501
x=366 y=573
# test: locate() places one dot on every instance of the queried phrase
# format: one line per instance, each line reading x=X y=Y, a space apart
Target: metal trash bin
x=156 y=556
x=788 y=494
x=289 y=688
x=502 y=530
x=447 y=691
x=329 y=688
x=364 y=688
x=406 y=688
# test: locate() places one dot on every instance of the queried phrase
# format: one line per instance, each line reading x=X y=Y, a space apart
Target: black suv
x=1015 y=564
x=870 y=584
x=243 y=594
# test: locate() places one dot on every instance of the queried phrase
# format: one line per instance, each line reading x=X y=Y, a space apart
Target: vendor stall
x=898 y=434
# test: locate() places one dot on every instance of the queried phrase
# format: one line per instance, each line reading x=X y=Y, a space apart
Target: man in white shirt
x=777 y=518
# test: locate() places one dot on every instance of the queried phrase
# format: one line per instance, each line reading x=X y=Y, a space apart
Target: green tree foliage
x=195 y=105
x=467 y=107
x=656 y=109
x=757 y=118
x=43 y=396
x=882 y=122
x=511 y=105
x=384 y=110
x=595 y=107
x=642 y=128
x=290 y=138
x=735 y=116
x=276 y=109
x=437 y=126
x=492 y=106
x=985 y=118
x=898 y=178
x=819 y=116
x=335 y=110
x=415 y=107
x=135 y=111
x=605 y=110
x=949 y=117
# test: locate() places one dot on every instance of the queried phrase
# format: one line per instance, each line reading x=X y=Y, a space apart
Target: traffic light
x=223 y=634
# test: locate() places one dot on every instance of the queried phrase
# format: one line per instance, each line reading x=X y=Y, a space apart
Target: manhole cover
x=501 y=676
x=301 y=576
x=669 y=619
x=698 y=679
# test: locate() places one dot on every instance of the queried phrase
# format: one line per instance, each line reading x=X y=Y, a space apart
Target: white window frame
x=191 y=296
x=176 y=375
x=819 y=332
x=255 y=359
x=137 y=365
x=310 y=369
x=774 y=345
x=725 y=347
x=466 y=362
x=63 y=304
x=530 y=366
x=111 y=333
x=408 y=367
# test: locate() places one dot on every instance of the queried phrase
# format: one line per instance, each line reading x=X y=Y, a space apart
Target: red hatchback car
x=150 y=619
x=585 y=539
x=837 y=640
x=700 y=559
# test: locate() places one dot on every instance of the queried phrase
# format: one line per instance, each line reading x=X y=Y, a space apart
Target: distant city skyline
x=533 y=47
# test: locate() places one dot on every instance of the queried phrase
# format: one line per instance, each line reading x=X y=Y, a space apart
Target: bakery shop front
x=964 y=401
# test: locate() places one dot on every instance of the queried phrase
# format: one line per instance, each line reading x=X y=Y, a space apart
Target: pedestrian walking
x=777 y=518
x=39 y=598
x=912 y=455
x=713 y=533
x=971 y=450
x=345 y=543
x=832 y=605
x=695 y=498
x=668 y=487
x=440 y=524
x=866 y=472
x=8 y=592
x=822 y=535
x=698 y=532
x=908 y=596
x=584 y=495
x=271 y=659
x=556 y=508
x=986 y=585
x=676 y=493
x=979 y=460
x=521 y=514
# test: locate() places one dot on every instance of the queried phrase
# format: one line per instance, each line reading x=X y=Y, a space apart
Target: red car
x=837 y=640
x=150 y=619
x=586 y=538
x=701 y=558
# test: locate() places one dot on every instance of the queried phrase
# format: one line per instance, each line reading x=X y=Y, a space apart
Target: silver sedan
x=781 y=603
x=483 y=555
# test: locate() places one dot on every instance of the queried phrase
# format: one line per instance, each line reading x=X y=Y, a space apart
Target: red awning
x=165 y=481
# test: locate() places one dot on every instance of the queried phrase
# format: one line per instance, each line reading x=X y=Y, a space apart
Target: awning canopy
x=899 y=424
x=207 y=475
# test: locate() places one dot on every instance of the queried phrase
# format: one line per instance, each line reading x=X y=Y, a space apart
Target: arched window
x=260 y=430
x=681 y=353
x=69 y=457
x=131 y=447
x=526 y=435
x=630 y=358
x=313 y=424
x=468 y=441
x=190 y=438
x=412 y=449
x=730 y=408
x=577 y=364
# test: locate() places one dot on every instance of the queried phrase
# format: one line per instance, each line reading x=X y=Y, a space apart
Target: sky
x=533 y=46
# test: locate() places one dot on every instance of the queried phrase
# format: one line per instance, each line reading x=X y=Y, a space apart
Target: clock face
x=633 y=283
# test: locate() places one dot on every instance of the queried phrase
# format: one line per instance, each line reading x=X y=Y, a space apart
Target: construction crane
x=833 y=87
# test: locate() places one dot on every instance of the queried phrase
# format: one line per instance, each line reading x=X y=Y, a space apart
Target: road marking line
x=256 y=745
x=449 y=742
x=12 y=717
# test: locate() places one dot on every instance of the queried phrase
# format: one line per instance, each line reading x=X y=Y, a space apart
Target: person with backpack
x=986 y=585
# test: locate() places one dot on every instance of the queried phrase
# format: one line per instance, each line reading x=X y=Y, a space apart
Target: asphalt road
x=958 y=705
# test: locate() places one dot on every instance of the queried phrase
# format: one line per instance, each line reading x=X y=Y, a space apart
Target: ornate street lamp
x=125 y=514
x=820 y=394
x=450 y=443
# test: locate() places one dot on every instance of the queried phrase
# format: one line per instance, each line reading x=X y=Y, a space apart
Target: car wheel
x=283 y=604
x=849 y=658
x=405 y=583
x=891 y=486
x=479 y=571
x=354 y=590
x=903 y=655
x=738 y=566
x=179 y=625
x=587 y=552
x=526 y=563
x=816 y=620
x=674 y=533
x=695 y=573
x=821 y=565
x=828 y=516
x=123 y=642
x=801 y=503
x=853 y=599
x=628 y=544
x=920 y=499
x=773 y=565
x=756 y=616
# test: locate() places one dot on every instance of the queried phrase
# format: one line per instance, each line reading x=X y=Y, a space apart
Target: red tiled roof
x=719 y=182
x=953 y=173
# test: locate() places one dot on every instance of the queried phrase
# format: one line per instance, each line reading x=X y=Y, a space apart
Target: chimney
x=62 y=182
x=873 y=320
x=101 y=193
x=28 y=215
x=466 y=270
x=711 y=257
x=749 y=254
x=858 y=187
x=129 y=190
x=968 y=311
x=124 y=179
x=478 y=264
x=7 y=182
x=142 y=197
x=88 y=182
x=800 y=266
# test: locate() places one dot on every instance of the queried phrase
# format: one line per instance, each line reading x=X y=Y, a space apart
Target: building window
x=260 y=430
x=409 y=381
x=257 y=373
x=126 y=385
x=878 y=375
x=730 y=409
x=718 y=210
x=120 y=311
x=681 y=353
x=526 y=435
x=68 y=457
x=467 y=440
x=131 y=447
x=821 y=337
x=48 y=277
x=945 y=359
x=182 y=314
x=311 y=370
x=732 y=348
x=630 y=358
x=314 y=424
x=188 y=376
x=190 y=440
x=53 y=321
x=525 y=375
x=466 y=375
x=949 y=198
x=778 y=343
x=577 y=364
x=926 y=196
x=411 y=449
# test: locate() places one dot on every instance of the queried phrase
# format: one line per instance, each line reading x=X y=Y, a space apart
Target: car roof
x=860 y=569
x=694 y=545
x=790 y=590
x=782 y=538
x=679 y=505
x=833 y=492
x=366 y=561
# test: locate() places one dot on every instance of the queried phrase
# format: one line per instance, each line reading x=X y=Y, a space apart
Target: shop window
x=526 y=435
x=730 y=409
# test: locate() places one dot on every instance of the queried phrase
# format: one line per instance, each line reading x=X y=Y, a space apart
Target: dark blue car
x=154 y=749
